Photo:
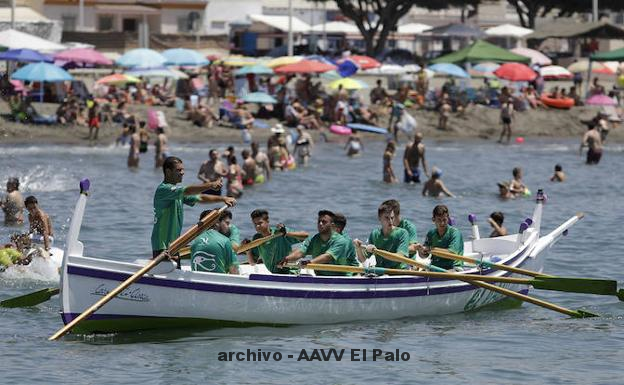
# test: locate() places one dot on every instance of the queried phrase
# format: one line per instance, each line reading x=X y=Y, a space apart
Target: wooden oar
x=185 y=252
x=31 y=299
x=510 y=293
x=174 y=247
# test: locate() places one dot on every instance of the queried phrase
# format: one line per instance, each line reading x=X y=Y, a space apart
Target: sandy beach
x=477 y=122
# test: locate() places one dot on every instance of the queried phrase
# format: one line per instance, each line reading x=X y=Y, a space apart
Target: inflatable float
x=340 y=130
x=367 y=128
x=563 y=103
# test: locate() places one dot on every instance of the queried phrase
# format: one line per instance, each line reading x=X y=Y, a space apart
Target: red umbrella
x=364 y=62
x=516 y=72
x=305 y=66
x=83 y=55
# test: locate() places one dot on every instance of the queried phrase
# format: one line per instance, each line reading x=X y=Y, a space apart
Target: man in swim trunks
x=13 y=204
x=327 y=246
x=40 y=222
x=593 y=142
x=412 y=157
x=249 y=168
x=212 y=251
x=211 y=171
x=388 y=237
x=169 y=200
x=444 y=236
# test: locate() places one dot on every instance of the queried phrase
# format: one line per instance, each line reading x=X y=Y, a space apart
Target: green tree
x=529 y=10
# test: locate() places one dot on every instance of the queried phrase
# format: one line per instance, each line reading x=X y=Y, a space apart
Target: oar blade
x=31 y=299
x=585 y=314
x=576 y=285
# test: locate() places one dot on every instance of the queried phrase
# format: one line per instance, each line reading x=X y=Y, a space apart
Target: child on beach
x=559 y=175
x=496 y=221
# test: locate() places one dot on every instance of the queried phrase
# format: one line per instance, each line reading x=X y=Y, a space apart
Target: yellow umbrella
x=282 y=61
x=118 y=79
x=239 y=61
x=348 y=84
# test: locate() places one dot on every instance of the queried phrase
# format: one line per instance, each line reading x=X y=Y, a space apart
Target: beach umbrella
x=84 y=56
x=184 y=57
x=162 y=72
x=259 y=97
x=141 y=57
x=305 y=66
x=515 y=72
x=449 y=69
x=347 y=68
x=583 y=66
x=330 y=75
x=600 y=100
x=485 y=69
x=555 y=72
x=536 y=56
x=41 y=72
x=412 y=68
x=13 y=39
x=25 y=55
x=347 y=84
x=363 y=62
x=257 y=69
x=387 y=69
x=320 y=58
x=239 y=61
x=118 y=79
x=282 y=61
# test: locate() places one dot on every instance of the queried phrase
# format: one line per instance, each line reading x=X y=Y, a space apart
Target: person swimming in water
x=496 y=220
x=559 y=175
x=516 y=185
x=434 y=187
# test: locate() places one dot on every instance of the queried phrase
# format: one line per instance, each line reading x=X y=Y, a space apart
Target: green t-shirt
x=169 y=213
x=337 y=246
x=212 y=252
x=396 y=242
x=451 y=240
x=273 y=251
x=9 y=256
x=411 y=230
x=234 y=234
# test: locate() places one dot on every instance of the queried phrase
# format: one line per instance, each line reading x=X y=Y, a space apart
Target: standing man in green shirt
x=388 y=237
x=273 y=251
x=213 y=252
x=327 y=246
x=169 y=199
x=444 y=236
x=404 y=224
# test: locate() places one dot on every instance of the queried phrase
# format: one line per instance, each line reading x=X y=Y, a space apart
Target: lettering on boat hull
x=130 y=294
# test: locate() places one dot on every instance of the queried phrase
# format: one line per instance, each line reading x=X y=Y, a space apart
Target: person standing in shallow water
x=133 y=155
x=507 y=116
x=593 y=142
x=388 y=172
x=162 y=148
x=413 y=156
x=13 y=204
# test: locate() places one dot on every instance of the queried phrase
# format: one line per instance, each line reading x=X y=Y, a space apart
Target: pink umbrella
x=600 y=100
x=83 y=55
x=516 y=72
x=536 y=56
x=305 y=66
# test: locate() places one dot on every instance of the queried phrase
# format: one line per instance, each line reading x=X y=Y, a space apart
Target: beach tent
x=508 y=30
x=13 y=39
x=481 y=51
x=615 y=55
x=455 y=30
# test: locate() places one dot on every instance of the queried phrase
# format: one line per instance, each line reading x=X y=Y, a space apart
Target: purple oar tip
x=565 y=232
x=84 y=185
x=472 y=218
x=452 y=221
x=529 y=221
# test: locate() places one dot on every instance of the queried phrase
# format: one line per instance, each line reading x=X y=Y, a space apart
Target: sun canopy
x=305 y=66
x=596 y=30
x=13 y=39
x=508 y=30
x=184 y=57
x=281 y=23
x=336 y=27
x=41 y=72
x=141 y=57
x=449 y=69
x=615 y=55
x=536 y=56
x=482 y=51
x=25 y=56
x=83 y=55
x=412 y=28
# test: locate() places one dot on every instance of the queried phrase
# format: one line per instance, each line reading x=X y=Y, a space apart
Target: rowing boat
x=168 y=297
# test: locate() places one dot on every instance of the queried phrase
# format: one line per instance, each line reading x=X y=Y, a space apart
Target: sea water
x=512 y=345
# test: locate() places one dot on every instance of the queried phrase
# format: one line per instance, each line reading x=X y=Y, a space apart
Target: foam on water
x=40 y=269
x=41 y=178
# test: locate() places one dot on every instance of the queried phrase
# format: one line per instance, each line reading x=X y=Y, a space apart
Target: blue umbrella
x=449 y=69
x=25 y=56
x=141 y=57
x=347 y=68
x=41 y=72
x=257 y=69
x=259 y=97
x=184 y=57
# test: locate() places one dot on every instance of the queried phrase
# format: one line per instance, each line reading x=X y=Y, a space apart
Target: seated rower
x=212 y=251
x=225 y=227
x=327 y=246
x=388 y=237
x=40 y=223
x=404 y=224
x=444 y=236
x=340 y=222
x=273 y=251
